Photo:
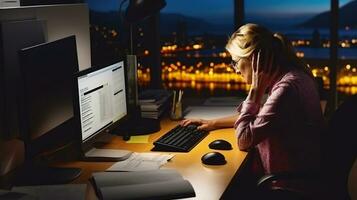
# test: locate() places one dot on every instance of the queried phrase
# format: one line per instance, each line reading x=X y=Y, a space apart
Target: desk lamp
x=136 y=11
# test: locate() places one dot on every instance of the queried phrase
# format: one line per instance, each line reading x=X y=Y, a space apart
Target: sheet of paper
x=155 y=157
x=209 y=112
x=141 y=162
x=134 y=165
x=139 y=139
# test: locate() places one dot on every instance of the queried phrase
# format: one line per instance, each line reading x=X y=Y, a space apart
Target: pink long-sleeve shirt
x=286 y=128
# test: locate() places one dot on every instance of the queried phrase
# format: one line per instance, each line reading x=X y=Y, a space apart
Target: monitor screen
x=102 y=99
x=47 y=99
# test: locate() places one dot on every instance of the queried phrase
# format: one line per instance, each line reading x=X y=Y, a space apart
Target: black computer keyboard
x=180 y=139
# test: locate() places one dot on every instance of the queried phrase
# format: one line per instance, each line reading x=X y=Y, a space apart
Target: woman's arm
x=255 y=124
x=209 y=125
x=225 y=122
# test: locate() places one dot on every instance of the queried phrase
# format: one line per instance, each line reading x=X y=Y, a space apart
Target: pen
x=180 y=96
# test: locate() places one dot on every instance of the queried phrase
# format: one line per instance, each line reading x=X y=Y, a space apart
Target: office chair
x=339 y=150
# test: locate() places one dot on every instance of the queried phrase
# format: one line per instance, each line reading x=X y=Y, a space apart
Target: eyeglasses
x=234 y=65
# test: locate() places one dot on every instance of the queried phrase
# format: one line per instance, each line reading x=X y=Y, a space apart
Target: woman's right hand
x=263 y=75
x=202 y=124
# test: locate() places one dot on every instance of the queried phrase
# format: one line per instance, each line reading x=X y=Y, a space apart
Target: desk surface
x=209 y=182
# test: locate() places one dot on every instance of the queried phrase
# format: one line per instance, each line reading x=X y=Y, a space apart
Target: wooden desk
x=209 y=182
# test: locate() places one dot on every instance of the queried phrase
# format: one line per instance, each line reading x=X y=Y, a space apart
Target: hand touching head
x=249 y=39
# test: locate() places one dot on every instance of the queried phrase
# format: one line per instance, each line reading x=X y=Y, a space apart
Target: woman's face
x=243 y=66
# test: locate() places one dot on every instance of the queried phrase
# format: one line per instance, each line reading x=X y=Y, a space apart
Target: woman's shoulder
x=296 y=76
x=294 y=79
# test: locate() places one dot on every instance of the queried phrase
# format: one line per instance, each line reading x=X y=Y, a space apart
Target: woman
x=284 y=129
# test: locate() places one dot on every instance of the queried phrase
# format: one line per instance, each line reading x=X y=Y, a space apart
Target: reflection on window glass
x=193 y=35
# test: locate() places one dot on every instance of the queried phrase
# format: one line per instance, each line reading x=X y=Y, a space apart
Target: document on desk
x=209 y=112
x=141 y=162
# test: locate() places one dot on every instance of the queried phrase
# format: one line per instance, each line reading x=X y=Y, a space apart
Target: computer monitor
x=101 y=106
x=14 y=35
x=46 y=107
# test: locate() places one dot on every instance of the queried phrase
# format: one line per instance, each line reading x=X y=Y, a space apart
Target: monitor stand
x=98 y=150
x=143 y=126
x=136 y=125
x=43 y=175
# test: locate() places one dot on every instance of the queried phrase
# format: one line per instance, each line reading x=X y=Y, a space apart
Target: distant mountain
x=347 y=17
x=169 y=23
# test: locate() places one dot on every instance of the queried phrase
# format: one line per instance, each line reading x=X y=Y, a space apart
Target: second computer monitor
x=101 y=101
x=46 y=108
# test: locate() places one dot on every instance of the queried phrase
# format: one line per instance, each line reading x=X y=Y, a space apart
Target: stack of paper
x=141 y=162
x=153 y=103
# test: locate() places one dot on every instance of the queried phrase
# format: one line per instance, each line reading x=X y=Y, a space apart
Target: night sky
x=221 y=11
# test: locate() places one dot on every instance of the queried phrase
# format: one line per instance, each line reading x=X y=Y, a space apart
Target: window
x=302 y=24
x=347 y=72
x=143 y=35
x=108 y=34
x=305 y=26
x=193 y=36
x=308 y=28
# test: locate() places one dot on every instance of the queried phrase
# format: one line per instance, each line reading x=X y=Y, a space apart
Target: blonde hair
x=250 y=38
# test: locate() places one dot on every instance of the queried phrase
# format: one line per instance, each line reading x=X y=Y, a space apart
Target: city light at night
x=200 y=61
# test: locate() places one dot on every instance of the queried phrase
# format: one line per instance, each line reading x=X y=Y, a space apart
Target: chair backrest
x=352 y=181
x=340 y=146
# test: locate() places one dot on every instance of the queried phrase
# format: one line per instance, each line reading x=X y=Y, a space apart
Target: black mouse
x=126 y=137
x=220 y=145
x=213 y=158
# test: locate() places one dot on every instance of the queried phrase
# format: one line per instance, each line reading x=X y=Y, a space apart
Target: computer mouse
x=220 y=145
x=213 y=158
x=126 y=137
